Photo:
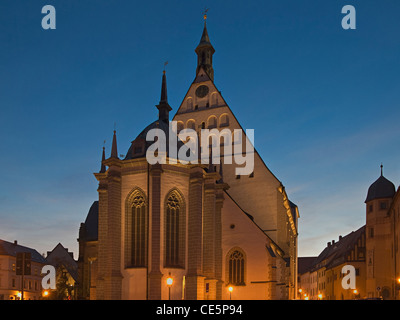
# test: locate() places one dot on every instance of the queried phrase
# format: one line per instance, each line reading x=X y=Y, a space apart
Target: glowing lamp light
x=355 y=291
x=19 y=294
x=45 y=293
x=320 y=296
x=170 y=281
x=230 y=288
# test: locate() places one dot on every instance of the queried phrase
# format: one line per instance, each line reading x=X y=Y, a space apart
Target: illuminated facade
x=11 y=284
x=200 y=225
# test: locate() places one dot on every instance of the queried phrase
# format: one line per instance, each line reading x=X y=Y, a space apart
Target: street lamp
x=170 y=281
x=230 y=288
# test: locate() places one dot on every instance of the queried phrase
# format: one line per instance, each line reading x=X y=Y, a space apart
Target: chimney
x=340 y=238
x=333 y=242
x=329 y=244
x=15 y=242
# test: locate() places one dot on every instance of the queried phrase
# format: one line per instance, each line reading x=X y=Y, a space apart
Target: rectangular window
x=371 y=232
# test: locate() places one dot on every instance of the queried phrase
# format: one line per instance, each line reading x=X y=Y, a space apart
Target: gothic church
x=203 y=226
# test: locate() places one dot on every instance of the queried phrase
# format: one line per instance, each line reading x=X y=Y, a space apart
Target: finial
x=205 y=14
x=381 y=170
x=165 y=63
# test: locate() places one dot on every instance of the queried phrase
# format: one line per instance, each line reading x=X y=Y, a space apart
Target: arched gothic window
x=174 y=230
x=136 y=229
x=236 y=265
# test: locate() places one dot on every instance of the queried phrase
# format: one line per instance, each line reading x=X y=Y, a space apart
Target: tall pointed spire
x=114 y=152
x=381 y=170
x=163 y=107
x=205 y=51
x=103 y=167
x=164 y=96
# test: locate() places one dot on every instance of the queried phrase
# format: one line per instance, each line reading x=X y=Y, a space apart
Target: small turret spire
x=114 y=152
x=163 y=107
x=103 y=167
x=381 y=170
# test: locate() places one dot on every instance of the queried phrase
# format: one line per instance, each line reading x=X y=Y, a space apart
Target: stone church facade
x=200 y=224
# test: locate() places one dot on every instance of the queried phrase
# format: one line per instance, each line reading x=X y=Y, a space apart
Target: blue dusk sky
x=323 y=101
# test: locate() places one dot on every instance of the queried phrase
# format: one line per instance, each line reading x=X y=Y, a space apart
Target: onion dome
x=381 y=188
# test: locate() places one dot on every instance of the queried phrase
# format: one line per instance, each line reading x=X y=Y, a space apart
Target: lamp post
x=170 y=281
x=230 y=288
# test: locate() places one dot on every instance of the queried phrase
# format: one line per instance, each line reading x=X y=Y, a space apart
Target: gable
x=202 y=100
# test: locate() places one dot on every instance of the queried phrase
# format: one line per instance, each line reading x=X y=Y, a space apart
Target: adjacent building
x=16 y=287
x=66 y=273
x=373 y=250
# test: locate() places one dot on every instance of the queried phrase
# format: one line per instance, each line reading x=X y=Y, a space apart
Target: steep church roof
x=139 y=146
x=89 y=229
x=381 y=188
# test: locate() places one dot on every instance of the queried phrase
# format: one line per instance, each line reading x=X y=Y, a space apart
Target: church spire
x=163 y=107
x=103 y=167
x=205 y=51
x=114 y=152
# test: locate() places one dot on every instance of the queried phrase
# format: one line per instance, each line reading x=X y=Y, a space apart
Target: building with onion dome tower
x=380 y=273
